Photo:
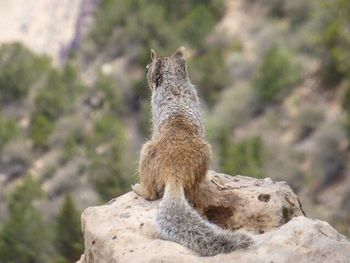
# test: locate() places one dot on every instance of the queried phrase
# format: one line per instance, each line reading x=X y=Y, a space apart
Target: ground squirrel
x=176 y=159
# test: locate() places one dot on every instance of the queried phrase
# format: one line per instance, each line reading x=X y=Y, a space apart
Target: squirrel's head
x=172 y=68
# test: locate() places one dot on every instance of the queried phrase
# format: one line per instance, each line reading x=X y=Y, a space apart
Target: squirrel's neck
x=176 y=100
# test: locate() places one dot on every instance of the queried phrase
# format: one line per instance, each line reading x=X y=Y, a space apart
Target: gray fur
x=173 y=95
x=166 y=105
x=179 y=222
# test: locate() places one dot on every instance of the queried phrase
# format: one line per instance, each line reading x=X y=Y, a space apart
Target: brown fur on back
x=177 y=153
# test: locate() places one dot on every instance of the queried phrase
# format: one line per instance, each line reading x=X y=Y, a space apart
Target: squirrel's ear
x=179 y=52
x=153 y=55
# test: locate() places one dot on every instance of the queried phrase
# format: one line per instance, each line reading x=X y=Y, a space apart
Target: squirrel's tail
x=177 y=221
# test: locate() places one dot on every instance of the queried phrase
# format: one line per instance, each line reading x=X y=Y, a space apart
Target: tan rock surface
x=236 y=202
x=123 y=230
x=48 y=27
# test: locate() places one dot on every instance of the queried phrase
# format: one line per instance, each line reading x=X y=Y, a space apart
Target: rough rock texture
x=249 y=203
x=123 y=230
x=50 y=27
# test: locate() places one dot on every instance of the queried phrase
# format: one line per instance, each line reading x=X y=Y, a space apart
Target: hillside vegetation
x=274 y=81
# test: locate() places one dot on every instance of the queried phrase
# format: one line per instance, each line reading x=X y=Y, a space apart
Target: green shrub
x=72 y=81
x=59 y=92
x=51 y=100
x=209 y=72
x=109 y=15
x=111 y=92
x=69 y=148
x=24 y=236
x=41 y=130
x=144 y=27
x=196 y=25
x=8 y=131
x=334 y=41
x=277 y=74
x=245 y=157
x=152 y=24
x=176 y=10
x=54 y=99
x=148 y=29
x=146 y=15
x=20 y=68
x=72 y=136
x=69 y=238
x=107 y=156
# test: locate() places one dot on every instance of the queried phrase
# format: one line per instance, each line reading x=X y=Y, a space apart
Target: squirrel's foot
x=141 y=191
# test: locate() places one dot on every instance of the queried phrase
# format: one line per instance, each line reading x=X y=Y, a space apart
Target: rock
x=123 y=229
x=236 y=202
x=49 y=27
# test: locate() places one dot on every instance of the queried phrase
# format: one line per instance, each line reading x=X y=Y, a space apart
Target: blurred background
x=273 y=77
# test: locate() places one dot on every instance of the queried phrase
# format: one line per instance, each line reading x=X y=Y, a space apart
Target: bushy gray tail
x=177 y=221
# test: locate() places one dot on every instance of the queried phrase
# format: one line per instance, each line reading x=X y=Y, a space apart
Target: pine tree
x=24 y=237
x=69 y=239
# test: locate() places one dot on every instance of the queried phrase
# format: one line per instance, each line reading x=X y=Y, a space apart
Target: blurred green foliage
x=176 y=10
x=55 y=98
x=144 y=27
x=194 y=27
x=245 y=157
x=335 y=48
x=335 y=41
x=155 y=20
x=107 y=153
x=58 y=94
x=163 y=26
x=24 y=237
x=277 y=74
x=70 y=148
x=41 y=129
x=149 y=29
x=111 y=93
x=69 y=238
x=208 y=71
x=20 y=69
x=8 y=130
